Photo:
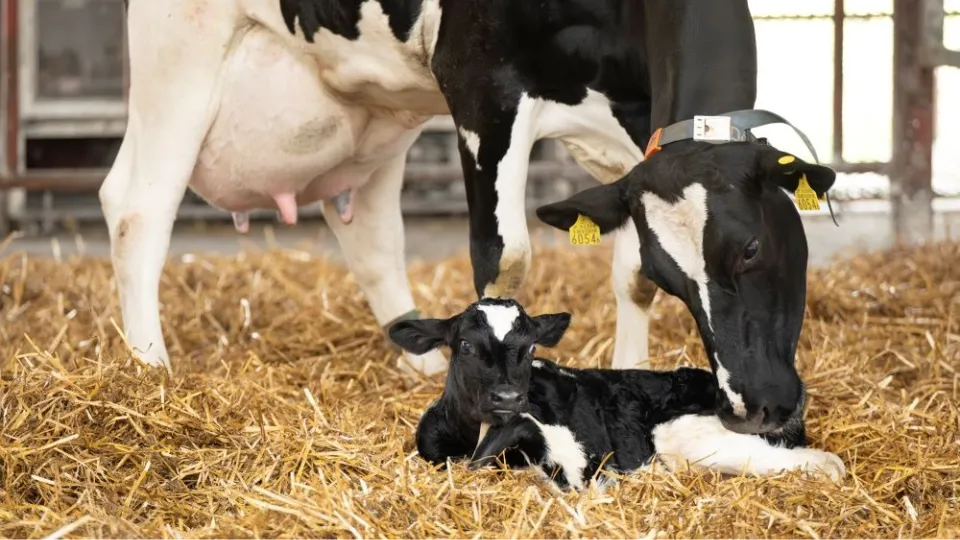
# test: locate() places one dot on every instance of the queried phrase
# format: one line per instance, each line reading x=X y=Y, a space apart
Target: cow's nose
x=775 y=416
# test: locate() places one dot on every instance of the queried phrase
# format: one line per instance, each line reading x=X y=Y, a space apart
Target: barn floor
x=293 y=422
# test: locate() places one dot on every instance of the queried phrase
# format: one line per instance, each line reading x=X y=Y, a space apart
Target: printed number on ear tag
x=806 y=196
x=584 y=232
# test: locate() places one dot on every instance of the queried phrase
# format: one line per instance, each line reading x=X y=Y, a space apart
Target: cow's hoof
x=155 y=360
x=425 y=364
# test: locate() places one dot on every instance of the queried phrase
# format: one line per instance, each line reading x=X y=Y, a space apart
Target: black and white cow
x=281 y=103
x=500 y=399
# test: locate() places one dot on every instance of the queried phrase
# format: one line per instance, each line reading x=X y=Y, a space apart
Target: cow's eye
x=751 y=250
x=465 y=347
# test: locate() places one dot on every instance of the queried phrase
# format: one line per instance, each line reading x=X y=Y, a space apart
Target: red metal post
x=911 y=179
x=11 y=74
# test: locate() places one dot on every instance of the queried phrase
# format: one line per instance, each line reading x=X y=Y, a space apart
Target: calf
x=571 y=423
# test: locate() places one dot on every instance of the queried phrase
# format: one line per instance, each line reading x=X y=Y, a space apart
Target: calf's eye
x=465 y=347
x=751 y=250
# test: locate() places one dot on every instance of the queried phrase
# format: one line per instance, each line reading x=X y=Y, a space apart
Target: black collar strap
x=733 y=126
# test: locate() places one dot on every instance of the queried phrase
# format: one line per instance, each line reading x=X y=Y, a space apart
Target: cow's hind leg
x=703 y=442
x=114 y=186
x=373 y=247
x=174 y=71
x=634 y=294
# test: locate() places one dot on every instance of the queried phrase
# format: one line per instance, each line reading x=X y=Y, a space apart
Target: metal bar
x=829 y=16
x=947 y=57
x=68 y=180
x=934 y=53
x=11 y=107
x=838 y=20
x=86 y=180
x=843 y=167
x=932 y=25
x=911 y=189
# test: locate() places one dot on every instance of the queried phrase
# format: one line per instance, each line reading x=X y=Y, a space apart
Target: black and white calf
x=571 y=423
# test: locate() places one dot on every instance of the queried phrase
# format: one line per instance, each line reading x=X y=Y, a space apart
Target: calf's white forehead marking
x=500 y=318
x=563 y=450
x=679 y=228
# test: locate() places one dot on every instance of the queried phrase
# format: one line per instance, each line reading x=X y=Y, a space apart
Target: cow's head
x=718 y=231
x=493 y=342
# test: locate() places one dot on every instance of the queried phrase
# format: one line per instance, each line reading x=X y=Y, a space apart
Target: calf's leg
x=373 y=247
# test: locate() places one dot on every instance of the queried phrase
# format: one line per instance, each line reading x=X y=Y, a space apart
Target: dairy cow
x=281 y=103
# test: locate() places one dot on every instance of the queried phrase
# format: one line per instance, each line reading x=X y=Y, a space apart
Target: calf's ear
x=605 y=205
x=786 y=169
x=420 y=336
x=551 y=327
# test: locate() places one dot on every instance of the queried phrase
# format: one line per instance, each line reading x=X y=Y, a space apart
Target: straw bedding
x=287 y=418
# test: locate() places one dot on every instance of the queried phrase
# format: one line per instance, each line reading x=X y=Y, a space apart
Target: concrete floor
x=435 y=238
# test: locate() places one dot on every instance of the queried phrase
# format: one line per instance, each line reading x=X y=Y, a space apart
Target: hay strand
x=286 y=416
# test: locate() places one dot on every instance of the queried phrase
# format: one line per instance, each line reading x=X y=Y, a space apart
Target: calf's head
x=492 y=343
x=717 y=230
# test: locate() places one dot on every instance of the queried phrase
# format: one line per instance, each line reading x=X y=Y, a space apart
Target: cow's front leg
x=495 y=153
x=373 y=247
x=634 y=294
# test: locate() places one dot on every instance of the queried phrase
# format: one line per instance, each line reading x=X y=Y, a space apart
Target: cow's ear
x=420 y=336
x=605 y=205
x=785 y=170
x=551 y=327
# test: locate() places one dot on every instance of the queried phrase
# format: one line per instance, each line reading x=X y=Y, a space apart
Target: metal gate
x=64 y=111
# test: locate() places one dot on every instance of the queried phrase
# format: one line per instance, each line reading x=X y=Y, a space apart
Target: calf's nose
x=508 y=398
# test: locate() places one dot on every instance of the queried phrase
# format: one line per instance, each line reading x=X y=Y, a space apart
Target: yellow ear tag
x=806 y=196
x=786 y=160
x=584 y=232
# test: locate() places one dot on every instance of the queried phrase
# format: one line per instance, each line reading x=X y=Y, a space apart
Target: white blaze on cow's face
x=679 y=228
